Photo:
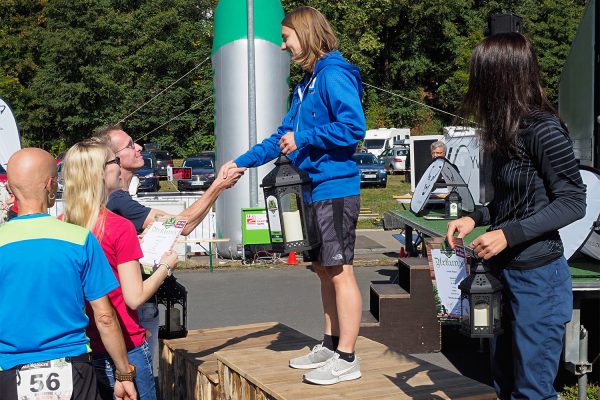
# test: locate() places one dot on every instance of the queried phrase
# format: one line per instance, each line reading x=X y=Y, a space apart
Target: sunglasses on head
x=115 y=160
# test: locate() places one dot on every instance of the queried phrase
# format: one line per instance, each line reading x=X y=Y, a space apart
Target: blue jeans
x=149 y=319
x=538 y=302
x=144 y=382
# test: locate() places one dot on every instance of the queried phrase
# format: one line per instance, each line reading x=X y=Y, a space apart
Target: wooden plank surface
x=386 y=375
x=188 y=366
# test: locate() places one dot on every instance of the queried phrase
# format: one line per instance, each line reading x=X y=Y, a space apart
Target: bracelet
x=162 y=264
x=126 y=376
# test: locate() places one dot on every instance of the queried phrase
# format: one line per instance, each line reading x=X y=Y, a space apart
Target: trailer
x=579 y=89
x=378 y=140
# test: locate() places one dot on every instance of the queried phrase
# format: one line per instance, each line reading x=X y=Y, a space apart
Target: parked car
x=205 y=153
x=59 y=157
x=148 y=174
x=372 y=172
x=60 y=180
x=3 y=176
x=395 y=159
x=203 y=173
x=163 y=159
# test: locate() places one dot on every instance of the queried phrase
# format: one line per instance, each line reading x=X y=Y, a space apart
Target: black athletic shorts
x=335 y=221
x=84 y=380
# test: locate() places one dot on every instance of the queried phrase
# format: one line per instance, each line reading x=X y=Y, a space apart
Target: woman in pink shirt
x=91 y=172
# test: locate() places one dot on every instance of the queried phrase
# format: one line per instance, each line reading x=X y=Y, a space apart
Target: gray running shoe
x=317 y=357
x=335 y=370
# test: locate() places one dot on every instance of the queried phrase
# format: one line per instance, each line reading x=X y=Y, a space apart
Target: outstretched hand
x=229 y=174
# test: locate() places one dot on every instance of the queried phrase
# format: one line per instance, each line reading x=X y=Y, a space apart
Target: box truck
x=378 y=140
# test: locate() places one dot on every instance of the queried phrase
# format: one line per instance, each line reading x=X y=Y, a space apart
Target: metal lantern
x=453 y=203
x=481 y=302
x=173 y=296
x=287 y=191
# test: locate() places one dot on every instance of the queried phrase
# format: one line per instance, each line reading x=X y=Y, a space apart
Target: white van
x=378 y=140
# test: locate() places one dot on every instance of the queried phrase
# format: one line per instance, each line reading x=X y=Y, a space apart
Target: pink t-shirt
x=120 y=244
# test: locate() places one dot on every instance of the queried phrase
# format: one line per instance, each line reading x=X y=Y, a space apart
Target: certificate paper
x=159 y=237
x=449 y=268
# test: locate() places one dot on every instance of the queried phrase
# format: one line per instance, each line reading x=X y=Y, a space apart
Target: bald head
x=30 y=173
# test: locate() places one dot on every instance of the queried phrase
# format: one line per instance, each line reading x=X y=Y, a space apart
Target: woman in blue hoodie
x=319 y=134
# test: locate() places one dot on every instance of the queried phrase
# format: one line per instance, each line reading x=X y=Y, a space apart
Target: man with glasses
x=121 y=203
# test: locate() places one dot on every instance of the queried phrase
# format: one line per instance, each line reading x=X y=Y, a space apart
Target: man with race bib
x=48 y=269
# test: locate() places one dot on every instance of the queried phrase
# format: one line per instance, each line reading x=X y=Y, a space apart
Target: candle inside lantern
x=292 y=226
x=481 y=313
x=175 y=319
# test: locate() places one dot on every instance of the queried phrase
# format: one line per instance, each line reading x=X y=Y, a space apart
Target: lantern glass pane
x=292 y=219
x=465 y=314
x=175 y=318
x=481 y=313
x=497 y=307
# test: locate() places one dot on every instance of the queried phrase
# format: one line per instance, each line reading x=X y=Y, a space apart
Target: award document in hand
x=158 y=238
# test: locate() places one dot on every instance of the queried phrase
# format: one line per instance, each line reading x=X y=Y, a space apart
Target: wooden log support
x=403 y=315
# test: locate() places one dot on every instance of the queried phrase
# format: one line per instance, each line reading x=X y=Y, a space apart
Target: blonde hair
x=314 y=33
x=84 y=195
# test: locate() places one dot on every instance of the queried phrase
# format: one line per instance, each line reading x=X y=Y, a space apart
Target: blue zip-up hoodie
x=328 y=121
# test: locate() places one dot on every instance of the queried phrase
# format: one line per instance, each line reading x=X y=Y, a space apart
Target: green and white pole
x=251 y=79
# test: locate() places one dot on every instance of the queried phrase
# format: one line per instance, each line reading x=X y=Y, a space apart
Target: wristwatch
x=128 y=376
x=169 y=269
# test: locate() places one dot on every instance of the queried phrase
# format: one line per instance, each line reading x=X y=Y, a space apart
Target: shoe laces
x=317 y=348
x=332 y=360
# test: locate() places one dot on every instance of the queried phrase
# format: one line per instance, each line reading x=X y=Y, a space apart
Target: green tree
x=69 y=66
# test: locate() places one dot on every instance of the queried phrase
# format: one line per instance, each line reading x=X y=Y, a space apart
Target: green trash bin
x=255 y=230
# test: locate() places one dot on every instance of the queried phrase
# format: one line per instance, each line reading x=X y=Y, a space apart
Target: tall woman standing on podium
x=319 y=134
x=537 y=191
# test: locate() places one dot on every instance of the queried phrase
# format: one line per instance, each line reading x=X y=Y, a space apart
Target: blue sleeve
x=341 y=92
x=97 y=277
x=268 y=149
x=121 y=203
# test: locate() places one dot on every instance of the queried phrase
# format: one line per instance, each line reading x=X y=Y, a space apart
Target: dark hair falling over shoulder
x=504 y=86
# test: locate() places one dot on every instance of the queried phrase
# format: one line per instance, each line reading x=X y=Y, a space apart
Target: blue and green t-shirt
x=48 y=268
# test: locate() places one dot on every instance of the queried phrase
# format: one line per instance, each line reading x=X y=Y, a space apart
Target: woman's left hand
x=489 y=244
x=287 y=143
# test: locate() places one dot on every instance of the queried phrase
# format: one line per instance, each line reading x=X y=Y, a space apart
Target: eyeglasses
x=130 y=145
x=115 y=160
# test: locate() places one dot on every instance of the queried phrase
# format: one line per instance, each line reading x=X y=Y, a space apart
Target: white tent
x=9 y=133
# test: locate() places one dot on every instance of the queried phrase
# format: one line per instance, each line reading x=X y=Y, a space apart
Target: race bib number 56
x=45 y=380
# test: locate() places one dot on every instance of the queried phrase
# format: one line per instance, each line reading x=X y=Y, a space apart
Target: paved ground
x=290 y=294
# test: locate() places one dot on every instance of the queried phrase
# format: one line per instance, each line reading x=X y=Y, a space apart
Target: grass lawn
x=377 y=200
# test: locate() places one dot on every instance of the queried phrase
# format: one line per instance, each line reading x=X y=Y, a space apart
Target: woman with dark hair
x=320 y=133
x=537 y=190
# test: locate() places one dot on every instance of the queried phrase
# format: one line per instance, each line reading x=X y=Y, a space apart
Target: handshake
x=228 y=175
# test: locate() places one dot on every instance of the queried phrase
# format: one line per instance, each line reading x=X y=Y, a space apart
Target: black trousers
x=84 y=382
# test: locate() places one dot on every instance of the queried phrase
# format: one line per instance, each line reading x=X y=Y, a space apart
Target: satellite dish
x=426 y=185
x=580 y=234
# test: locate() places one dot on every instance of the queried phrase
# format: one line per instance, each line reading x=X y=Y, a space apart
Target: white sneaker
x=317 y=357
x=335 y=370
